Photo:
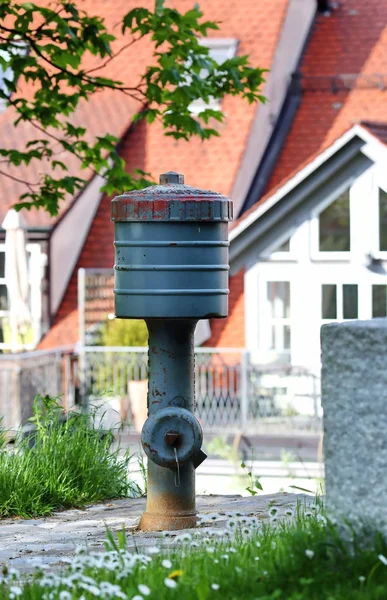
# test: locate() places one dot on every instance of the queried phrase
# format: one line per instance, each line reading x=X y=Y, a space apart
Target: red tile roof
x=254 y=23
x=347 y=51
x=212 y=164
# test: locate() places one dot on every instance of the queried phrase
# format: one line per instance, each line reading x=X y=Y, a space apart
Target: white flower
x=362 y=578
x=274 y=545
x=171 y=583
x=15 y=590
x=210 y=549
x=309 y=553
x=153 y=550
x=183 y=537
x=258 y=544
x=256 y=558
x=65 y=596
x=225 y=556
x=137 y=597
x=166 y=563
x=382 y=559
x=144 y=589
x=215 y=586
x=231 y=524
x=214 y=517
x=232 y=550
x=216 y=561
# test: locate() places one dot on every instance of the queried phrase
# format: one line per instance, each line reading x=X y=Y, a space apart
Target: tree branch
x=113 y=56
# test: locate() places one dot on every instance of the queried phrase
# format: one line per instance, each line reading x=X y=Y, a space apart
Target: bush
x=124 y=332
x=68 y=463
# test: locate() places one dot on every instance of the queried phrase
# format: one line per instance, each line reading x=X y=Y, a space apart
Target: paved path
x=23 y=542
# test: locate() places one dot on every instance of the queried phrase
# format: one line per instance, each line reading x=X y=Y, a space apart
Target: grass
x=69 y=464
x=302 y=558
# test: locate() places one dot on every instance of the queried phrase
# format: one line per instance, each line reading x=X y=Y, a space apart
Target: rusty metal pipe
x=171 y=492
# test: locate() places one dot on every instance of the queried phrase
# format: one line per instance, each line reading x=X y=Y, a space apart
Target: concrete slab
x=49 y=540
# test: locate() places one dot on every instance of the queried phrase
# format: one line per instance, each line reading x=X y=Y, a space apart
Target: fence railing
x=25 y=375
x=231 y=392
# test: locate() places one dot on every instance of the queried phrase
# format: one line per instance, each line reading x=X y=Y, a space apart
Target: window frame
x=231 y=44
x=315 y=253
x=379 y=182
x=35 y=276
x=340 y=300
x=290 y=256
x=266 y=321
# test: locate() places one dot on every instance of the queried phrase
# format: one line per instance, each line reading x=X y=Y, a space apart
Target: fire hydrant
x=171 y=269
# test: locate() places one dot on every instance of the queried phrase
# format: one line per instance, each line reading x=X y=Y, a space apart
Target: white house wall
x=307 y=269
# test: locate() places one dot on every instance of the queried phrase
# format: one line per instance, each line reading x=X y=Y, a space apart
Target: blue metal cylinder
x=171 y=253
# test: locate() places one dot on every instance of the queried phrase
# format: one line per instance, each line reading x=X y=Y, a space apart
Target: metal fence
x=25 y=375
x=231 y=392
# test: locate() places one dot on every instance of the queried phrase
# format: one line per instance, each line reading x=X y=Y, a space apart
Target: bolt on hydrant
x=171 y=269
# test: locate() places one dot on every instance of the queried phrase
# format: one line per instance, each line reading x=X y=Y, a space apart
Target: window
x=278 y=297
x=382 y=221
x=339 y=302
x=3 y=295
x=220 y=50
x=379 y=300
x=329 y=301
x=285 y=247
x=334 y=226
x=17 y=47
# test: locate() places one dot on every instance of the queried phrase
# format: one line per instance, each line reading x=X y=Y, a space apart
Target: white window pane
x=334 y=234
x=2 y=264
x=273 y=338
x=382 y=221
x=285 y=247
x=286 y=337
x=329 y=301
x=350 y=301
x=379 y=300
x=278 y=294
x=3 y=297
x=220 y=51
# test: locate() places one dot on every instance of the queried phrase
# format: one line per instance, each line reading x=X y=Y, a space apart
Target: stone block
x=354 y=397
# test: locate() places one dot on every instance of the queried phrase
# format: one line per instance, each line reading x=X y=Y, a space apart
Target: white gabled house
x=315 y=249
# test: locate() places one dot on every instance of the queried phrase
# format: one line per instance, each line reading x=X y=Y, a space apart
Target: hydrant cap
x=171 y=200
x=171 y=177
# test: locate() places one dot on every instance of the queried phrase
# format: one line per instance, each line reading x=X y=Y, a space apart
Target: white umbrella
x=16 y=276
